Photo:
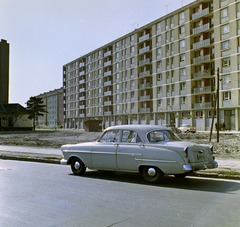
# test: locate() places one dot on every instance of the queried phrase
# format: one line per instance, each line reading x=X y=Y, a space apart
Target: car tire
x=78 y=167
x=152 y=174
x=182 y=175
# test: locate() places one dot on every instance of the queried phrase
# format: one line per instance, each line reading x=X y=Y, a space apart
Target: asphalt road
x=39 y=194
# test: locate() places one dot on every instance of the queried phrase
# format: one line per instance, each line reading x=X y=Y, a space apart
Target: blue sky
x=46 y=34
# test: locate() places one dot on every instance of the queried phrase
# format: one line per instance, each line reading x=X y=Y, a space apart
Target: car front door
x=104 y=151
x=129 y=152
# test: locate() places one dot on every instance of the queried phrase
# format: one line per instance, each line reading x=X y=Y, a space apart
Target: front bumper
x=189 y=168
x=63 y=161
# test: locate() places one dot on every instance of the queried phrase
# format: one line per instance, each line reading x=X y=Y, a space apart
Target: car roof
x=139 y=128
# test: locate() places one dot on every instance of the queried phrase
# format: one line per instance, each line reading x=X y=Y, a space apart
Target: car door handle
x=141 y=145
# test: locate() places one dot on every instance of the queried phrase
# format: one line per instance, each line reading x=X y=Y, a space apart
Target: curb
x=55 y=159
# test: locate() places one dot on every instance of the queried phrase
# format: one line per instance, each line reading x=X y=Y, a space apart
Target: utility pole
x=218 y=123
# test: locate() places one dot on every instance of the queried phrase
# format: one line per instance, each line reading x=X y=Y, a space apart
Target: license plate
x=200 y=157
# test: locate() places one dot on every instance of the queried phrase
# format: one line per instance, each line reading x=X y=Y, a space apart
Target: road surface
x=39 y=194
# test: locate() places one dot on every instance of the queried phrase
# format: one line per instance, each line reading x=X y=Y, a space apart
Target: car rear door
x=129 y=152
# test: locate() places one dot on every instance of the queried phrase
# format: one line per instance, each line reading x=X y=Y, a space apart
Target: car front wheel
x=152 y=174
x=78 y=166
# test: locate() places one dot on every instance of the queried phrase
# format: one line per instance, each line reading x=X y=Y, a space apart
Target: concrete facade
x=54 y=106
x=4 y=72
x=162 y=73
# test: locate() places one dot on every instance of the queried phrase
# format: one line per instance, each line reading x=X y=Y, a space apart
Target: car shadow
x=188 y=183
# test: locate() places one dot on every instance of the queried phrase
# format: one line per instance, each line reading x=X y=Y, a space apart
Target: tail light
x=186 y=151
x=211 y=149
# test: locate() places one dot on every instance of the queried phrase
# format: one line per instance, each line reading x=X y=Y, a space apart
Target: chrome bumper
x=188 y=168
x=63 y=161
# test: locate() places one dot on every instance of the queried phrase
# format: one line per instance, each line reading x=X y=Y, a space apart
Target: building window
x=182 y=72
x=167 y=37
x=225 y=31
x=159 y=53
x=159 y=40
x=171 y=36
x=171 y=22
x=183 y=100
x=160 y=103
x=159 y=27
x=238 y=10
x=181 y=33
x=181 y=18
x=224 y=15
x=181 y=46
x=182 y=86
x=227 y=95
x=225 y=44
x=226 y=62
x=167 y=24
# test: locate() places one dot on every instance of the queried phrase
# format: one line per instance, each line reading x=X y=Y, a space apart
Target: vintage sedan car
x=187 y=128
x=150 y=150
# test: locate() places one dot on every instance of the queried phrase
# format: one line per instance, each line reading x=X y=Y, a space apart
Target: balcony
x=202 y=59
x=202 y=90
x=108 y=73
x=108 y=53
x=82 y=107
x=204 y=105
x=201 y=75
x=144 y=38
x=144 y=86
x=82 y=115
x=82 y=81
x=201 y=13
x=145 y=98
x=82 y=98
x=144 y=74
x=200 y=29
x=107 y=93
x=159 y=108
x=108 y=103
x=82 y=73
x=107 y=83
x=82 y=89
x=144 y=50
x=201 y=44
x=144 y=62
x=144 y=110
x=183 y=92
x=108 y=113
x=82 y=64
x=107 y=63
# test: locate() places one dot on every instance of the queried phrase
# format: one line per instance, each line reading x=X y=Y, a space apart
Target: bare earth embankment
x=228 y=146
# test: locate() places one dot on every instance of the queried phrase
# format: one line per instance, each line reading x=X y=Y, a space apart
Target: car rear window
x=162 y=135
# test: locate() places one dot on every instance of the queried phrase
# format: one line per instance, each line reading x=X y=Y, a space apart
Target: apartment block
x=163 y=73
x=54 y=107
x=4 y=72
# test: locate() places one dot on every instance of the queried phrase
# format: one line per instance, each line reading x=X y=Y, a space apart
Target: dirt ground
x=228 y=146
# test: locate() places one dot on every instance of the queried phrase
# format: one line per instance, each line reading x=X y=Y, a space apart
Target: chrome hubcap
x=77 y=165
x=151 y=172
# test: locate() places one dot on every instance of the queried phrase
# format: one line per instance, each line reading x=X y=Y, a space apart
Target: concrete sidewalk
x=227 y=168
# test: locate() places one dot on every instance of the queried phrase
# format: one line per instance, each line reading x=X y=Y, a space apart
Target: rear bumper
x=189 y=168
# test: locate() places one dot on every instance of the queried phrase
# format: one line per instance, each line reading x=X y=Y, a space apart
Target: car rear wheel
x=78 y=166
x=152 y=174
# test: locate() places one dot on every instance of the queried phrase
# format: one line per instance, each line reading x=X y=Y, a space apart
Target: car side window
x=156 y=136
x=130 y=137
x=110 y=136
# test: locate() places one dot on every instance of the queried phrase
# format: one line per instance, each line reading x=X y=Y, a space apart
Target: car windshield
x=162 y=135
